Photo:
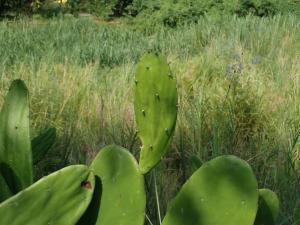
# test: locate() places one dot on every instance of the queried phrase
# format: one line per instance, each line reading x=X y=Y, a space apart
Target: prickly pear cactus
x=123 y=197
x=58 y=199
x=41 y=144
x=222 y=191
x=155 y=103
x=268 y=208
x=15 y=147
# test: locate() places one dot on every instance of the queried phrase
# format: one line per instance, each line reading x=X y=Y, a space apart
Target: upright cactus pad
x=268 y=208
x=15 y=147
x=58 y=199
x=42 y=143
x=123 y=197
x=223 y=191
x=155 y=103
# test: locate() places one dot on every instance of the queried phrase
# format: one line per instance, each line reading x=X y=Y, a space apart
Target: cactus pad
x=268 y=208
x=123 y=197
x=58 y=199
x=15 y=147
x=222 y=191
x=155 y=103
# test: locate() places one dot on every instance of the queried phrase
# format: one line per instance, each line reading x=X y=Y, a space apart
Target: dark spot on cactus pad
x=16 y=127
x=136 y=81
x=148 y=68
x=144 y=113
x=86 y=184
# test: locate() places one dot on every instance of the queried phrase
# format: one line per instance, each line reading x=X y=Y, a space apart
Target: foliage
x=260 y=8
x=15 y=5
x=226 y=183
x=103 y=8
x=98 y=62
x=173 y=13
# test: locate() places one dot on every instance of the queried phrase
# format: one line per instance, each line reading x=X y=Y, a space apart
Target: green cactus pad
x=223 y=191
x=155 y=103
x=58 y=199
x=15 y=147
x=123 y=197
x=268 y=208
x=42 y=143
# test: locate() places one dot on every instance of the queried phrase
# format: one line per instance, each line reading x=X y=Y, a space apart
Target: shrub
x=7 y=6
x=260 y=8
x=166 y=13
x=103 y=8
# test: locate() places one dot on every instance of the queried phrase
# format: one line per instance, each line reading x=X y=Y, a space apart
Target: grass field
x=239 y=93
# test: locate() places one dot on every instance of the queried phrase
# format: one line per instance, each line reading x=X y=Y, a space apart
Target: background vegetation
x=237 y=65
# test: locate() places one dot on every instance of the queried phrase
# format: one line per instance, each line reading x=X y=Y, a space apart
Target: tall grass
x=239 y=93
